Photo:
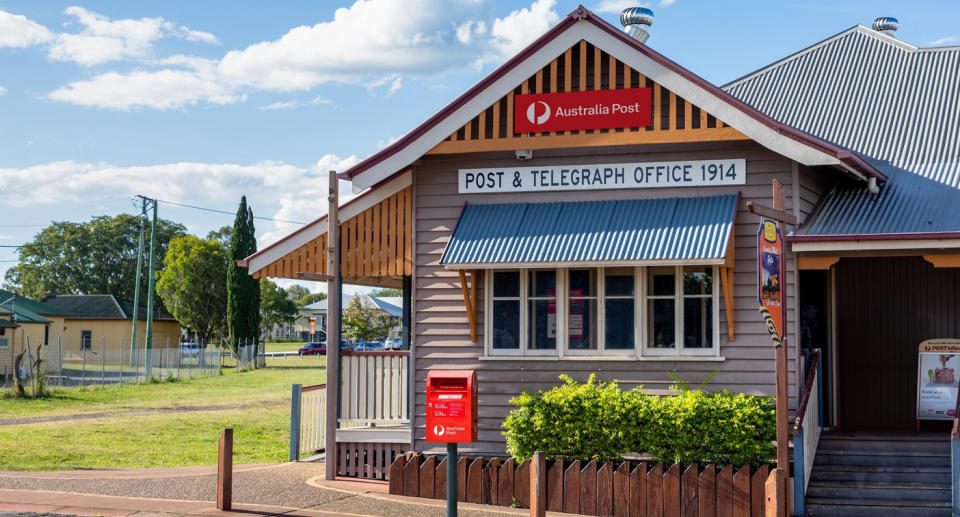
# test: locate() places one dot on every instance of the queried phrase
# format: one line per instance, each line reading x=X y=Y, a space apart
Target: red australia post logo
x=605 y=109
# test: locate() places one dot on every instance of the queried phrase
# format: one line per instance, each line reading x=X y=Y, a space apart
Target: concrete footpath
x=293 y=489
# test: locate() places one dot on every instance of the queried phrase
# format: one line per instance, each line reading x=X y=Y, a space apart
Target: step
x=830 y=509
x=939 y=445
x=881 y=474
x=880 y=459
x=870 y=492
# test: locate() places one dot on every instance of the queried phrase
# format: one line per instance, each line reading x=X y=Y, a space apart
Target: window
x=85 y=339
x=4 y=343
x=656 y=311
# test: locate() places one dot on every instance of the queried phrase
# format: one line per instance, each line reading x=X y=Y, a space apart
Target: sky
x=201 y=102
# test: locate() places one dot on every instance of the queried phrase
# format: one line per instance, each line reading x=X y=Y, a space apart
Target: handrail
x=393 y=353
x=313 y=387
x=808 y=387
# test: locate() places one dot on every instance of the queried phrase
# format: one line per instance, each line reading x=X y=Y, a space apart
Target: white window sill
x=603 y=358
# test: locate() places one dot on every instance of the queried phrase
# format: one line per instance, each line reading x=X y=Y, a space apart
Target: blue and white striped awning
x=690 y=230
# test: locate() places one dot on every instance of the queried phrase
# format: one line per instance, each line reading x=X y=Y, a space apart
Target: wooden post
x=225 y=471
x=538 y=489
x=783 y=460
x=333 y=325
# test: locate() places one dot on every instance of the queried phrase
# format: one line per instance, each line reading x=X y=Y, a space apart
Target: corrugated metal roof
x=636 y=230
x=895 y=104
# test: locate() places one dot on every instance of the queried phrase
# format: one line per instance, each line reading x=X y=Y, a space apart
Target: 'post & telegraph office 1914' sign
x=693 y=173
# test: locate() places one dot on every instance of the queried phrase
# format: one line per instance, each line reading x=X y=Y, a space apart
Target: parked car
x=189 y=350
x=372 y=345
x=313 y=348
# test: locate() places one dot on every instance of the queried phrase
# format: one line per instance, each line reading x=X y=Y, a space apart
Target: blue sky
x=200 y=102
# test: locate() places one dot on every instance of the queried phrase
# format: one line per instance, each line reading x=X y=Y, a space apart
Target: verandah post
x=333 y=325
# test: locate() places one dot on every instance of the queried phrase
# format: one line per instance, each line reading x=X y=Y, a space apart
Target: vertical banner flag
x=770 y=278
x=313 y=325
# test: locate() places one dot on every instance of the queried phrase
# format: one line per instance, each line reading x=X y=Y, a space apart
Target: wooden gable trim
x=674 y=119
x=376 y=247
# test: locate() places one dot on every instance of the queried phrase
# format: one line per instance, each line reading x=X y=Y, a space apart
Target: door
x=886 y=307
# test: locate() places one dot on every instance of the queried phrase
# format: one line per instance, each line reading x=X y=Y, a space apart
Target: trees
x=297 y=291
x=309 y=298
x=243 y=291
x=96 y=257
x=193 y=284
x=276 y=307
x=387 y=292
x=366 y=323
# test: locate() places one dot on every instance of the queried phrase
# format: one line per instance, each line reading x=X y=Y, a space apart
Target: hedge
x=590 y=420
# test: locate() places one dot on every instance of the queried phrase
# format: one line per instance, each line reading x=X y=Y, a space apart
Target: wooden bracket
x=816 y=263
x=470 y=300
x=939 y=261
x=772 y=213
x=726 y=280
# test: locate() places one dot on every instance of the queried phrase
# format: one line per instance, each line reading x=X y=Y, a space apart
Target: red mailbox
x=452 y=406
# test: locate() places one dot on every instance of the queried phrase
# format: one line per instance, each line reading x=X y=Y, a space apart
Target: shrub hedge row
x=600 y=421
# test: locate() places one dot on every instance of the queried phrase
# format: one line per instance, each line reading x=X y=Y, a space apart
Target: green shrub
x=600 y=421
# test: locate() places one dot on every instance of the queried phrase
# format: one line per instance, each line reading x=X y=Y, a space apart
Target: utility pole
x=150 y=284
x=136 y=288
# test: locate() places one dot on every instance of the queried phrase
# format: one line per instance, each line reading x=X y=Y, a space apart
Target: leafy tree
x=275 y=306
x=243 y=291
x=366 y=323
x=193 y=284
x=386 y=292
x=309 y=298
x=96 y=257
x=297 y=291
x=221 y=235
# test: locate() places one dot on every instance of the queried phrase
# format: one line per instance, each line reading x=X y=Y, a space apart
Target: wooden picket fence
x=630 y=489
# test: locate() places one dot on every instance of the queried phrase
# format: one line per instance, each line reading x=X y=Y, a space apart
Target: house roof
x=30 y=304
x=695 y=229
x=803 y=147
x=100 y=306
x=390 y=305
x=20 y=314
x=7 y=324
x=896 y=105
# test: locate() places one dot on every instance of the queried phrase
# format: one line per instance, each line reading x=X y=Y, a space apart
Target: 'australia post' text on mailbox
x=452 y=406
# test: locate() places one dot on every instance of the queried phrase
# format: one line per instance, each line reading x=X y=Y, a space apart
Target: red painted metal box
x=452 y=406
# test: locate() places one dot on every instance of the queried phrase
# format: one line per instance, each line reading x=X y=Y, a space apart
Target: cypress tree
x=240 y=296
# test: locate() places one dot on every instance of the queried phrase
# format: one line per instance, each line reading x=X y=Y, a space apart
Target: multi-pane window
x=85 y=339
x=4 y=343
x=655 y=311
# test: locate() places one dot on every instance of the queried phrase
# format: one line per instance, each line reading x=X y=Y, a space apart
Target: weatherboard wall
x=441 y=328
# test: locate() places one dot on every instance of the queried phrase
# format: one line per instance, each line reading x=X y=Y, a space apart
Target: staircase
x=859 y=475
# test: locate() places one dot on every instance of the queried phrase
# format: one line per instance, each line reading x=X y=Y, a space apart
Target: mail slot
x=452 y=406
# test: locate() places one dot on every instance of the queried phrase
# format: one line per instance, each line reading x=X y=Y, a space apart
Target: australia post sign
x=604 y=109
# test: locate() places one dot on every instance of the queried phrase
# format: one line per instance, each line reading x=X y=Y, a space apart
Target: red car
x=313 y=348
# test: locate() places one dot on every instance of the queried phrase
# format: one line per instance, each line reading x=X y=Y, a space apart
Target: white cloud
x=2 y=91
x=617 y=6
x=318 y=100
x=944 y=41
x=308 y=200
x=666 y=3
x=18 y=31
x=161 y=90
x=518 y=29
x=369 y=40
x=103 y=39
x=279 y=105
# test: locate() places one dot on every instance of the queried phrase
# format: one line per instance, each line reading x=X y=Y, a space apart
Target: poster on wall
x=769 y=278
x=938 y=379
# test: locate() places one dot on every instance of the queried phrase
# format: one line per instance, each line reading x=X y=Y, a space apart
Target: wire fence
x=105 y=363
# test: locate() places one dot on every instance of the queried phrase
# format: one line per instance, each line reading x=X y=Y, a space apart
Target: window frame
x=5 y=342
x=641 y=349
x=89 y=344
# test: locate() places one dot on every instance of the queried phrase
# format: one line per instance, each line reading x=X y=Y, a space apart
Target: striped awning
x=693 y=230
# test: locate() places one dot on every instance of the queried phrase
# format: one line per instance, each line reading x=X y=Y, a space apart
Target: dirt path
x=135 y=412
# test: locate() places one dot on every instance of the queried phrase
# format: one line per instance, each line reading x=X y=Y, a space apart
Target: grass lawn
x=158 y=439
x=163 y=440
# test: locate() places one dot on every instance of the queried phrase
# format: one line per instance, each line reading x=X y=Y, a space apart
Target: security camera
x=524 y=154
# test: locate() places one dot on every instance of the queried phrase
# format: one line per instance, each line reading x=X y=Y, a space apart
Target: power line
x=21 y=225
x=225 y=212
